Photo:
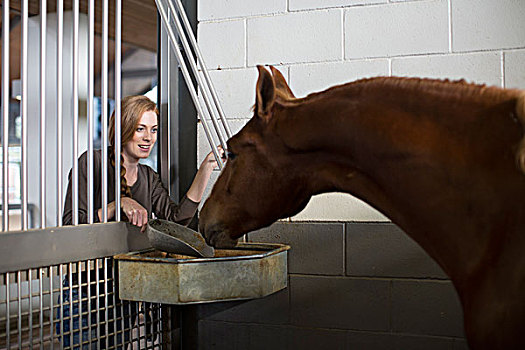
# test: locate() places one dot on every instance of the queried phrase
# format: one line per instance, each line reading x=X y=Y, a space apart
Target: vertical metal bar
x=106 y=302
x=131 y=323
x=19 y=295
x=104 y=176
x=7 y=312
x=43 y=33
x=71 y=306
x=114 y=300
x=121 y=303
x=189 y=83
x=30 y=317
x=88 y=277
x=23 y=113
x=118 y=60
x=41 y=306
x=90 y=112
x=51 y=306
x=75 y=113
x=80 y=301
x=97 y=300
x=5 y=113
x=200 y=59
x=60 y=45
x=61 y=291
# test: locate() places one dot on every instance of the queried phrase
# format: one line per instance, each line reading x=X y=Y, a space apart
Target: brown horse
x=443 y=160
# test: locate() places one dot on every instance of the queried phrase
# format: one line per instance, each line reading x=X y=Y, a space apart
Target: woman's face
x=144 y=138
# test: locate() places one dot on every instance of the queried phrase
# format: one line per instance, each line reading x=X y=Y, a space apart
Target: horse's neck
x=410 y=167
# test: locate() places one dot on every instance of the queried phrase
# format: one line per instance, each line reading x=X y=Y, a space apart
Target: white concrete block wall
x=318 y=44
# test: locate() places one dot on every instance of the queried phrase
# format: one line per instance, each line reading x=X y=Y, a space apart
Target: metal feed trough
x=251 y=270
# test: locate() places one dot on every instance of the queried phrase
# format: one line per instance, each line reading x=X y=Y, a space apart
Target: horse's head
x=260 y=182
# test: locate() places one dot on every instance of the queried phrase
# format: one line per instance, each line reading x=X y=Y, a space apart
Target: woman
x=142 y=195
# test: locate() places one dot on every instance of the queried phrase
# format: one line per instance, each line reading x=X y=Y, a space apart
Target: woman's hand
x=203 y=176
x=210 y=160
x=135 y=212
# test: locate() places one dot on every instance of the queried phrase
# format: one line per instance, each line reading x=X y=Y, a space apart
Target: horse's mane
x=457 y=89
x=446 y=89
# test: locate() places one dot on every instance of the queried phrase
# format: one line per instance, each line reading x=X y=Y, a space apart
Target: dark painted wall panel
x=317 y=248
x=384 y=250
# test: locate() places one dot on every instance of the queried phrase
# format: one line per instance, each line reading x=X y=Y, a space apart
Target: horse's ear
x=264 y=94
x=280 y=83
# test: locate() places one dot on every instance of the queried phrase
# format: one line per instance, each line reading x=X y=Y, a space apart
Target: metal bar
x=88 y=276
x=80 y=302
x=189 y=82
x=60 y=49
x=118 y=60
x=19 y=295
x=75 y=113
x=30 y=319
x=5 y=114
x=7 y=312
x=43 y=33
x=200 y=60
x=68 y=243
x=41 y=314
x=104 y=177
x=61 y=296
x=23 y=113
x=106 y=303
x=71 y=300
x=90 y=112
x=51 y=306
x=200 y=84
x=97 y=300
x=114 y=300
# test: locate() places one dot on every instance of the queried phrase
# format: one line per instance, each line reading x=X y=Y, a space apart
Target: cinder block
x=515 y=69
x=221 y=335
x=263 y=337
x=203 y=146
x=481 y=68
x=212 y=10
x=384 y=250
x=426 y=307
x=236 y=91
x=388 y=341
x=316 y=4
x=217 y=52
x=295 y=37
x=273 y=309
x=396 y=29
x=488 y=25
x=338 y=207
x=308 y=338
x=337 y=302
x=305 y=79
x=316 y=248
x=460 y=344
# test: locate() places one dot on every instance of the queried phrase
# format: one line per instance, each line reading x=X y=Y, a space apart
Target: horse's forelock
x=520 y=112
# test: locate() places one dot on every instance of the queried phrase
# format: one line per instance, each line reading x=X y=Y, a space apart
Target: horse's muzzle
x=217 y=237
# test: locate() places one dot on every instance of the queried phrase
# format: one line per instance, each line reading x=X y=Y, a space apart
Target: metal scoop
x=173 y=238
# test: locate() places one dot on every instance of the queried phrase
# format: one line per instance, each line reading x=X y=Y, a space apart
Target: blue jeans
x=71 y=308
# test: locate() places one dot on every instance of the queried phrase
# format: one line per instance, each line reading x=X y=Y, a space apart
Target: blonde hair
x=132 y=109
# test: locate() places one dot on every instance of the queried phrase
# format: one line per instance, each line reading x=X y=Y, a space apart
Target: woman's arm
x=198 y=186
x=136 y=213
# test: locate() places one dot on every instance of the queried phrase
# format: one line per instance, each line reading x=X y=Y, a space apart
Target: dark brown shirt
x=147 y=190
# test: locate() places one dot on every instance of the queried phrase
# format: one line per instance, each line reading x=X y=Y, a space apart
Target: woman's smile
x=145 y=136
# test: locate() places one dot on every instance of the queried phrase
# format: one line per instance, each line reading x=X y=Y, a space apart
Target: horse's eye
x=231 y=155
